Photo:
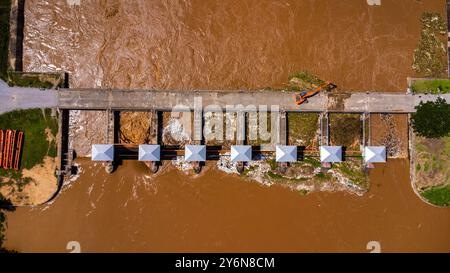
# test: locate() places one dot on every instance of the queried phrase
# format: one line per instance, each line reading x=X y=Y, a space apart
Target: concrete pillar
x=198 y=127
x=281 y=128
x=63 y=142
x=324 y=129
x=154 y=125
x=365 y=117
x=112 y=122
x=240 y=127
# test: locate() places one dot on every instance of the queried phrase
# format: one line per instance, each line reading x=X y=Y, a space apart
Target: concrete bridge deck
x=138 y=100
x=12 y=98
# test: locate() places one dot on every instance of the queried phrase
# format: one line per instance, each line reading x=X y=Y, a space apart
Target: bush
x=432 y=119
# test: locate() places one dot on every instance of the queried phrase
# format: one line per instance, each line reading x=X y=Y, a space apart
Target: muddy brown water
x=226 y=45
x=219 y=212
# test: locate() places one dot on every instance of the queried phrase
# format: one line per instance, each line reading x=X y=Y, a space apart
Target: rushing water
x=226 y=45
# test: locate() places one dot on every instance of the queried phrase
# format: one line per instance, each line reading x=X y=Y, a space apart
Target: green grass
x=420 y=147
x=37 y=80
x=447 y=146
x=303 y=126
x=28 y=81
x=246 y=171
x=323 y=176
x=439 y=196
x=355 y=175
x=274 y=175
x=5 y=7
x=33 y=123
x=273 y=164
x=312 y=161
x=305 y=77
x=303 y=192
x=431 y=86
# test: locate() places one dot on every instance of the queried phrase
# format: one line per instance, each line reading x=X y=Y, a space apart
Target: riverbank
x=35 y=182
x=430 y=169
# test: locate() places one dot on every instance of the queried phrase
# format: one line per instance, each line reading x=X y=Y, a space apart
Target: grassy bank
x=36 y=146
x=436 y=86
x=37 y=80
x=432 y=169
x=439 y=196
x=5 y=8
x=304 y=175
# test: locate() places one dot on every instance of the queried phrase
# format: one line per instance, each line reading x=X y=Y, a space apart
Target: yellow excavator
x=304 y=95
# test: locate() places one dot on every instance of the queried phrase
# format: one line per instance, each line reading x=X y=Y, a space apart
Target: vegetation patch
x=430 y=56
x=353 y=171
x=303 y=129
x=432 y=119
x=439 y=196
x=304 y=80
x=345 y=130
x=36 y=145
x=432 y=86
x=432 y=169
x=307 y=176
x=314 y=162
x=37 y=80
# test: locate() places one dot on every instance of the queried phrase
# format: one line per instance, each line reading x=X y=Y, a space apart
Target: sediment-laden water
x=225 y=45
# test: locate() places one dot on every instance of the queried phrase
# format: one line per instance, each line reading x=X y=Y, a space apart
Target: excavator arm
x=302 y=97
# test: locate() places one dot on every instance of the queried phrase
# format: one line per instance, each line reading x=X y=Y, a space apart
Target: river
x=225 y=45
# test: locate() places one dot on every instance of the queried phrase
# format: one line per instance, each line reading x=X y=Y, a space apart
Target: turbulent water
x=226 y=45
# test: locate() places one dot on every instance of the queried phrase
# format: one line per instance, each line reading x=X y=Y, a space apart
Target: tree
x=432 y=119
x=5 y=205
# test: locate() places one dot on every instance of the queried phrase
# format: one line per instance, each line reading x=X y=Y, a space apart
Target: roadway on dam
x=138 y=100
x=14 y=98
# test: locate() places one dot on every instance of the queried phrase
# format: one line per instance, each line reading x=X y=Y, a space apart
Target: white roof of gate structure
x=331 y=154
x=195 y=153
x=286 y=153
x=149 y=152
x=102 y=152
x=241 y=153
x=375 y=154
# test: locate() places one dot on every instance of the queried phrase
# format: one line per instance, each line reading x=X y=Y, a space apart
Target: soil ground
x=346 y=130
